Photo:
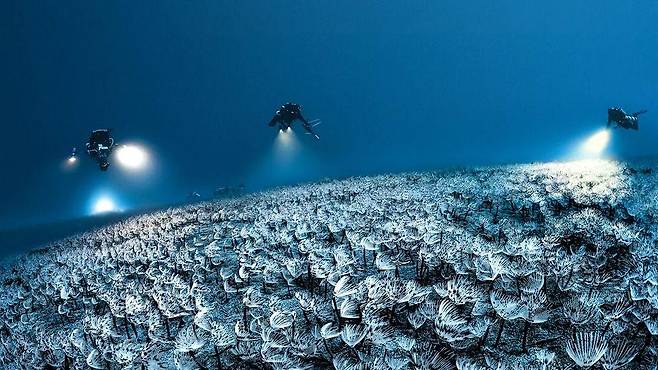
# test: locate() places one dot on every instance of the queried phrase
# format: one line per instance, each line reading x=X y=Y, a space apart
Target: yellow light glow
x=132 y=157
x=596 y=143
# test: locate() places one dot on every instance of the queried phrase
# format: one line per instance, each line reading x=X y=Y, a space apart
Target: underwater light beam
x=285 y=137
x=596 y=143
x=69 y=163
x=286 y=144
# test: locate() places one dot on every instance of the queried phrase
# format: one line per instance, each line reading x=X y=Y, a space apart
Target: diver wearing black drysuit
x=622 y=119
x=100 y=146
x=287 y=114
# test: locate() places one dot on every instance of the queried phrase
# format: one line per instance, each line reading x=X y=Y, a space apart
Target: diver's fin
x=308 y=127
x=640 y=112
x=312 y=133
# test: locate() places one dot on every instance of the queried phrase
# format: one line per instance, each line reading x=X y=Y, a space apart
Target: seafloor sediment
x=548 y=266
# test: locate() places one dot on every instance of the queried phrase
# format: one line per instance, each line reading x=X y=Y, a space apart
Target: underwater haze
x=398 y=87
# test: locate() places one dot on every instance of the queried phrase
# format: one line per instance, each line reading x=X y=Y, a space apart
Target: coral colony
x=549 y=266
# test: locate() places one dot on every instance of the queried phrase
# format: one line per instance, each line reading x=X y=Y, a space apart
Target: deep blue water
x=398 y=85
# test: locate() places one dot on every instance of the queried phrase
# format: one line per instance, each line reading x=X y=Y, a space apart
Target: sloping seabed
x=549 y=266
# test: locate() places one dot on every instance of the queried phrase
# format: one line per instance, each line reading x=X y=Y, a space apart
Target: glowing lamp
x=131 y=157
x=104 y=205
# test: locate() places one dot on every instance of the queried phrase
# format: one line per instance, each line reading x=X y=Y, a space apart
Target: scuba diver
x=290 y=112
x=623 y=120
x=100 y=147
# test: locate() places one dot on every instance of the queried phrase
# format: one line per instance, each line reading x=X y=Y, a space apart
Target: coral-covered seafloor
x=526 y=267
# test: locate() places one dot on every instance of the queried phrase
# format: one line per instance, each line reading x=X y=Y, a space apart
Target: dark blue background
x=399 y=85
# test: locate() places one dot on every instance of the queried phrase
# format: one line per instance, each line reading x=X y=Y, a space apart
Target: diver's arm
x=276 y=119
x=302 y=119
x=640 y=112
